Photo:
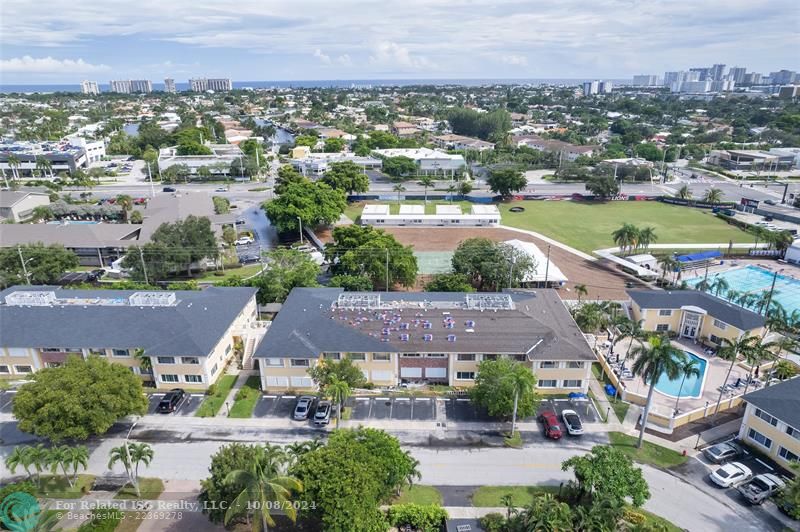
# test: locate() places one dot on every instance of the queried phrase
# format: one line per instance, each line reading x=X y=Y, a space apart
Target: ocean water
x=325 y=83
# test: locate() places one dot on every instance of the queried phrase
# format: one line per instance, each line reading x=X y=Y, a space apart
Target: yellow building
x=693 y=314
x=173 y=338
x=771 y=421
x=430 y=338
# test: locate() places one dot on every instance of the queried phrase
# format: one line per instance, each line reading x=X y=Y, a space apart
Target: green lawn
x=150 y=488
x=588 y=226
x=212 y=403
x=492 y=496
x=650 y=453
x=619 y=407
x=246 y=398
x=419 y=495
x=656 y=522
x=243 y=271
x=57 y=487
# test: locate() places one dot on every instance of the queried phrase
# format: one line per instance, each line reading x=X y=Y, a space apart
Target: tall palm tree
x=636 y=332
x=130 y=458
x=581 y=290
x=451 y=190
x=57 y=457
x=20 y=457
x=689 y=367
x=39 y=459
x=426 y=181
x=755 y=357
x=730 y=350
x=398 y=188
x=39 y=164
x=625 y=237
x=125 y=202
x=668 y=264
x=521 y=381
x=145 y=362
x=264 y=486
x=339 y=391
x=684 y=192
x=14 y=163
x=120 y=454
x=657 y=358
x=77 y=457
x=647 y=236
x=783 y=370
x=713 y=196
x=719 y=284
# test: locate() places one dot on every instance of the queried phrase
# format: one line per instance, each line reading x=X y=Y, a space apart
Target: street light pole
x=771 y=290
x=24 y=266
x=547 y=266
x=300 y=221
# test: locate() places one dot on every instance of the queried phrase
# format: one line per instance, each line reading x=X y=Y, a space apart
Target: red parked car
x=552 y=429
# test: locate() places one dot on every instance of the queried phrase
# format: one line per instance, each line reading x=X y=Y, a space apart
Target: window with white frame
x=466 y=357
x=195 y=379
x=228 y=349
x=766 y=417
x=4 y=369
x=381 y=357
x=573 y=364
x=274 y=362
x=665 y=312
x=573 y=383
x=166 y=360
x=169 y=378
x=759 y=438
x=190 y=360
x=213 y=369
x=787 y=455
x=23 y=369
x=547 y=383
x=299 y=362
x=435 y=355
x=97 y=352
x=465 y=375
x=662 y=327
x=120 y=353
x=721 y=325
x=548 y=364
x=410 y=355
x=793 y=432
x=357 y=356
x=331 y=356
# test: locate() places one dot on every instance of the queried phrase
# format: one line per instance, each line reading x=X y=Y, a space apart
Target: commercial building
x=219 y=162
x=789 y=92
x=188 y=336
x=63 y=156
x=95 y=149
x=792 y=254
x=591 y=87
x=423 y=337
x=17 y=206
x=460 y=142
x=783 y=77
x=89 y=87
x=752 y=160
x=169 y=86
x=771 y=421
x=737 y=74
x=445 y=216
x=210 y=84
x=645 y=80
x=429 y=162
x=316 y=164
x=693 y=314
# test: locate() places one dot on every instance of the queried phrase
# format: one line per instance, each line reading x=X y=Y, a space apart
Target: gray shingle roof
x=731 y=314
x=779 y=400
x=193 y=327
x=540 y=324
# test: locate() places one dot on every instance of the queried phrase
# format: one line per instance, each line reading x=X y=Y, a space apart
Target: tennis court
x=433 y=262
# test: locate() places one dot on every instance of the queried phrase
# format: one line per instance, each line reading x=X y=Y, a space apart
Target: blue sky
x=64 y=41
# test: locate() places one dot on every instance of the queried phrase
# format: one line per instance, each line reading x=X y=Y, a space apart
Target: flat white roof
x=639 y=259
x=448 y=209
x=554 y=274
x=485 y=209
x=375 y=209
x=412 y=209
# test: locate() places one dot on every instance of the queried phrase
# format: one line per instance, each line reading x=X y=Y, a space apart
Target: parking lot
x=6 y=402
x=187 y=407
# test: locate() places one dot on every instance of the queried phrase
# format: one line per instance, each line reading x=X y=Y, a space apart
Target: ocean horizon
x=329 y=83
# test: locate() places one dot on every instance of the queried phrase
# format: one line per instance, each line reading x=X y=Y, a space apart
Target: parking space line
x=382 y=399
x=271 y=396
x=197 y=395
x=463 y=400
x=362 y=398
x=764 y=464
x=402 y=399
x=369 y=413
x=422 y=399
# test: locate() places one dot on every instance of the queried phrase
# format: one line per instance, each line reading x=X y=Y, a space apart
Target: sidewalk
x=551 y=241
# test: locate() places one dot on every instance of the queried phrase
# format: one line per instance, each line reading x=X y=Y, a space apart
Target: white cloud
x=514 y=59
x=345 y=60
x=392 y=55
x=326 y=59
x=49 y=65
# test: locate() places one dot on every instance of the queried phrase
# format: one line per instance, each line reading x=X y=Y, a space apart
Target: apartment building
x=693 y=314
x=771 y=421
x=169 y=86
x=460 y=142
x=89 y=87
x=188 y=336
x=210 y=84
x=427 y=337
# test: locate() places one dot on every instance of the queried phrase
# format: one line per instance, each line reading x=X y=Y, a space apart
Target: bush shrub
x=212 y=389
x=102 y=521
x=425 y=518
x=493 y=522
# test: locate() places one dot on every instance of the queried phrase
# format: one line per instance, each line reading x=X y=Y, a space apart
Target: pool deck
x=716 y=369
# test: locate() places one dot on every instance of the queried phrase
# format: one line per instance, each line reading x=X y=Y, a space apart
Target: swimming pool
x=692 y=386
x=73 y=222
x=755 y=280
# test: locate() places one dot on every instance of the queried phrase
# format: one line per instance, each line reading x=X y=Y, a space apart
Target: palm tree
x=14 y=163
x=783 y=370
x=730 y=350
x=755 y=357
x=41 y=213
x=668 y=263
x=40 y=164
x=264 y=486
x=581 y=290
x=20 y=456
x=653 y=361
x=713 y=196
x=426 y=181
x=684 y=192
x=625 y=237
x=635 y=331
x=120 y=454
x=398 y=188
x=77 y=457
x=689 y=367
x=145 y=363
x=39 y=459
x=647 y=236
x=130 y=458
x=719 y=284
x=58 y=457
x=451 y=190
x=125 y=202
x=338 y=390
x=521 y=380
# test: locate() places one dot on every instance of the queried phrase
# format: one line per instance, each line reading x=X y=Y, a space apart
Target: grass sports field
x=588 y=226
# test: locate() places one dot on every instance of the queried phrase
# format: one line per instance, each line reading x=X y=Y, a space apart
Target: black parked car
x=168 y=189
x=170 y=402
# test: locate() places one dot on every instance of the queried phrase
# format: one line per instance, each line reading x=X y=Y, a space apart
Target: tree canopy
x=400 y=166
x=342 y=370
x=347 y=176
x=495 y=388
x=286 y=269
x=492 y=126
x=79 y=399
x=506 y=181
x=44 y=264
x=449 y=282
x=363 y=251
x=602 y=187
x=315 y=203
x=609 y=472
x=491 y=265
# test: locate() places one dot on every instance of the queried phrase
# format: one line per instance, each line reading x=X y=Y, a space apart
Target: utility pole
x=387 y=269
x=150 y=175
x=300 y=221
x=547 y=266
x=24 y=268
x=144 y=266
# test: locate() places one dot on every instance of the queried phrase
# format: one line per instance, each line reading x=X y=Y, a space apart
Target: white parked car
x=731 y=474
x=572 y=422
x=221 y=189
x=244 y=240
